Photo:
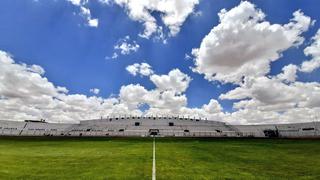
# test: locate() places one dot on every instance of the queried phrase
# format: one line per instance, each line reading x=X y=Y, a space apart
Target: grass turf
x=238 y=159
x=85 y=158
x=177 y=158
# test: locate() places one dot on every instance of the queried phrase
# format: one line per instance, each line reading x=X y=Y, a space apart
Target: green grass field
x=131 y=158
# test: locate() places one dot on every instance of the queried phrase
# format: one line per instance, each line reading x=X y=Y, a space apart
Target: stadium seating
x=160 y=126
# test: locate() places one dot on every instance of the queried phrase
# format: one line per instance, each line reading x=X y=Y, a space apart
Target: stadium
x=159 y=89
x=158 y=126
x=143 y=147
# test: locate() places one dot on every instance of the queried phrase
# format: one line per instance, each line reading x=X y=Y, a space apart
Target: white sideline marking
x=154 y=160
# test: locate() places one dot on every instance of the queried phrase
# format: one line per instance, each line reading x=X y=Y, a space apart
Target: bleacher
x=161 y=126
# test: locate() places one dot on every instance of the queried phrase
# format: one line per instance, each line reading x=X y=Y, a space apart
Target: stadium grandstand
x=157 y=126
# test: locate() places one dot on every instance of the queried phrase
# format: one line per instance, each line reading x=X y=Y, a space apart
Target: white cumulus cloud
x=25 y=93
x=144 y=69
x=271 y=100
x=314 y=51
x=126 y=47
x=175 y=80
x=174 y=13
x=95 y=91
x=244 y=43
x=85 y=12
x=289 y=73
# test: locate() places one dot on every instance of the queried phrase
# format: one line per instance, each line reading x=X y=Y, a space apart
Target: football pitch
x=176 y=158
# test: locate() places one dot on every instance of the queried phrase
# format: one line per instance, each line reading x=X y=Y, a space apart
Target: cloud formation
x=272 y=99
x=289 y=73
x=144 y=69
x=124 y=46
x=85 y=12
x=238 y=50
x=244 y=43
x=175 y=81
x=174 y=13
x=314 y=51
x=95 y=91
x=26 y=94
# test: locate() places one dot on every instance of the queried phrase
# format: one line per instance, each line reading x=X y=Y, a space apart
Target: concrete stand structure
x=157 y=126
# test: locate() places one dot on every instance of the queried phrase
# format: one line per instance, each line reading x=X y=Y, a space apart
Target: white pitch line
x=154 y=160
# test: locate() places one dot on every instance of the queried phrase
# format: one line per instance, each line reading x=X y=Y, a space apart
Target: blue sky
x=55 y=35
